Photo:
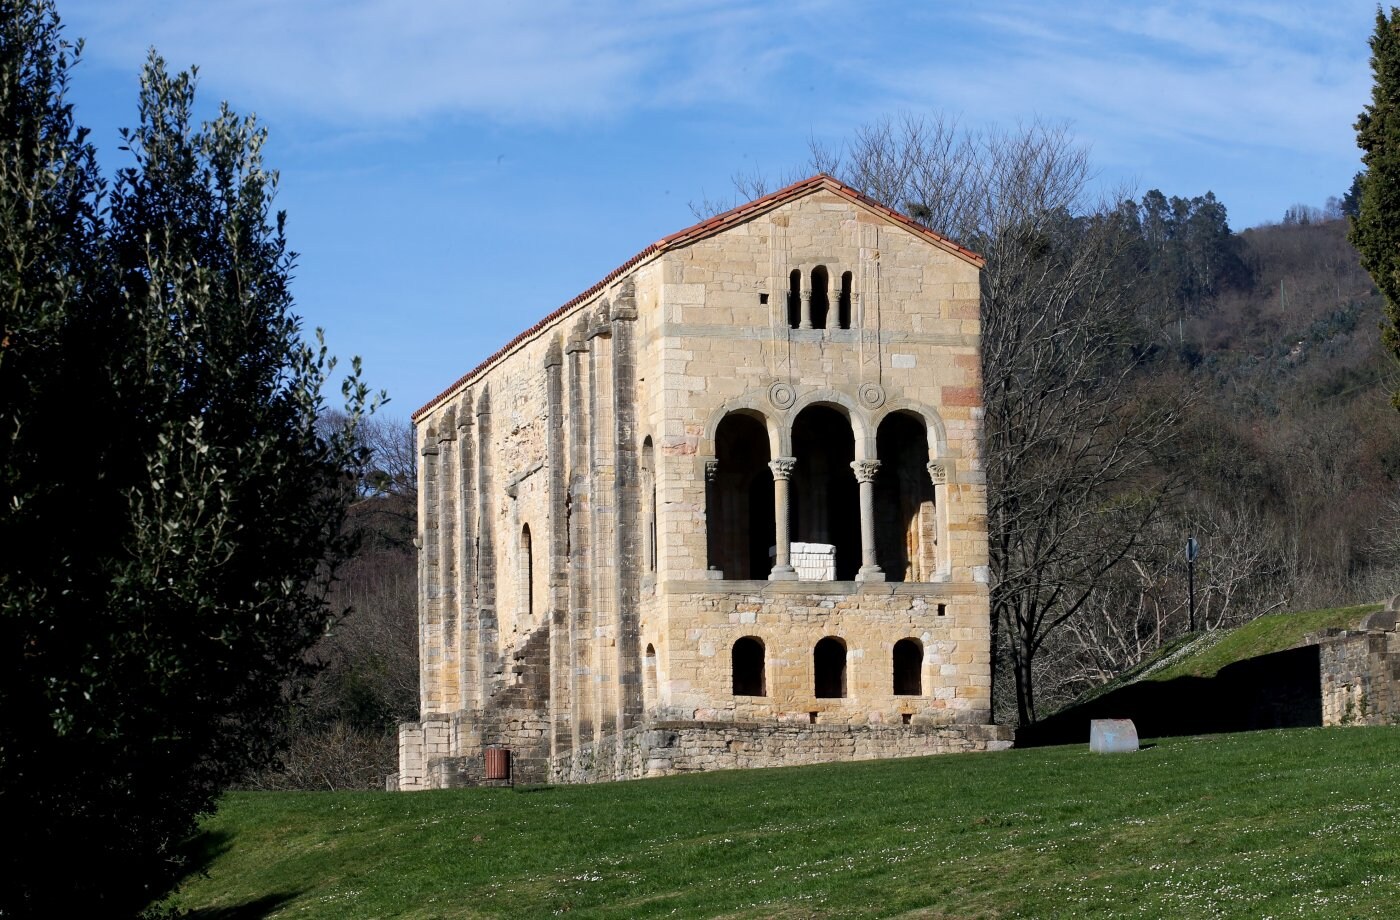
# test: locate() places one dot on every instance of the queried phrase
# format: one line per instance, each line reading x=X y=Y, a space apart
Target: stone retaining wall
x=668 y=748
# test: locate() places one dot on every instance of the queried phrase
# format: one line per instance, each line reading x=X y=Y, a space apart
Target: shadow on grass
x=264 y=906
x=1280 y=690
x=200 y=852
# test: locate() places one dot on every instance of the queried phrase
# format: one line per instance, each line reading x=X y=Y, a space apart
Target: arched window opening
x=649 y=552
x=906 y=520
x=821 y=298
x=527 y=573
x=908 y=667
x=739 y=516
x=649 y=678
x=824 y=497
x=747 y=661
x=794 y=298
x=843 y=307
x=829 y=668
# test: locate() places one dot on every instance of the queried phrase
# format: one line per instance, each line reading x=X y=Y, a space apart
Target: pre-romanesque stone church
x=726 y=508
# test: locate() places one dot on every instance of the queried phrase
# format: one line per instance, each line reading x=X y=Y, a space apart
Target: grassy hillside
x=1285 y=824
x=1272 y=633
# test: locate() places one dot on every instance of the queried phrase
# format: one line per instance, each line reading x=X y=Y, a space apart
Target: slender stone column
x=865 y=475
x=806 y=322
x=938 y=472
x=714 y=521
x=782 y=472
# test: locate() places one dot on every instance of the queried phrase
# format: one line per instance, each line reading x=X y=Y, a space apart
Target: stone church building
x=726 y=508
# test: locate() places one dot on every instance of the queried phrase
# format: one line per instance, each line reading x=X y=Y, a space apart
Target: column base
x=870 y=573
x=783 y=573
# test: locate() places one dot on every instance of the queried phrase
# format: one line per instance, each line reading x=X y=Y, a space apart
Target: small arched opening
x=829 y=668
x=794 y=298
x=821 y=297
x=649 y=551
x=526 y=575
x=649 y=678
x=843 y=305
x=747 y=660
x=908 y=667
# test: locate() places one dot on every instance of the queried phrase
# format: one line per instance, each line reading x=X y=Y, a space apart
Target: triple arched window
x=823 y=502
x=749 y=673
x=820 y=299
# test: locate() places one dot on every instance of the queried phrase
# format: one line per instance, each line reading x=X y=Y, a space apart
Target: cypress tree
x=1375 y=229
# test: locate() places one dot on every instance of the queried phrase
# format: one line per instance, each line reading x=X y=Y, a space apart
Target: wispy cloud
x=527 y=62
x=1239 y=76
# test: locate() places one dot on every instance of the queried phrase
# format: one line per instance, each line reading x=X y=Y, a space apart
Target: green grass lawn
x=1301 y=823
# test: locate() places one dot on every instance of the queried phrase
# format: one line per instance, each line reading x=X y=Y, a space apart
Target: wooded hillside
x=1289 y=454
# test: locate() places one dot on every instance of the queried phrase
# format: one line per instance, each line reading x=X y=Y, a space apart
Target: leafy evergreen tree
x=172 y=502
x=1375 y=230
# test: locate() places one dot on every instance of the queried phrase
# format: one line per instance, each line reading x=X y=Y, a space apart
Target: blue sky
x=452 y=171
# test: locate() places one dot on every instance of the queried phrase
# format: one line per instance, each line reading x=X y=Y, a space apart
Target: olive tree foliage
x=1375 y=228
x=1072 y=431
x=172 y=508
x=343 y=732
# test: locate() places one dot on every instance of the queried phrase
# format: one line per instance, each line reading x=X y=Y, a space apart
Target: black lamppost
x=1192 y=549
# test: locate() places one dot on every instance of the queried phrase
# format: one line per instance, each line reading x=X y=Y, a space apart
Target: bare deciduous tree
x=1072 y=434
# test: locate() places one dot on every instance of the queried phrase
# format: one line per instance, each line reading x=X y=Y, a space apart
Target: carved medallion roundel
x=872 y=395
x=782 y=395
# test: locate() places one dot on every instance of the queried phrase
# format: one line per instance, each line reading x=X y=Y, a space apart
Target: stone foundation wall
x=950 y=622
x=1360 y=676
x=669 y=748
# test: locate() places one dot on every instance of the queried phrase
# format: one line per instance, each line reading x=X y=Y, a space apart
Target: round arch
x=755 y=406
x=933 y=423
x=844 y=404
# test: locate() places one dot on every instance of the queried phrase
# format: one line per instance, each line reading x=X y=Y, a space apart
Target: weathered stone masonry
x=725 y=509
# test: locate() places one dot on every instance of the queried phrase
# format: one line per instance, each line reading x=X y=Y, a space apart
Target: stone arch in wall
x=821 y=297
x=740 y=521
x=829 y=668
x=824 y=497
x=908 y=667
x=526 y=579
x=649 y=678
x=933 y=423
x=794 y=298
x=650 y=551
x=748 y=667
x=759 y=406
x=843 y=302
x=842 y=403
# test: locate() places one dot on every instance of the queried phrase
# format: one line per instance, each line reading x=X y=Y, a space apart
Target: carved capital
x=865 y=469
x=553 y=356
x=711 y=469
x=782 y=467
x=624 y=302
x=938 y=473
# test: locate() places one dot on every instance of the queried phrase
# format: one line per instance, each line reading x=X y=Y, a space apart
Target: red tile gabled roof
x=700 y=231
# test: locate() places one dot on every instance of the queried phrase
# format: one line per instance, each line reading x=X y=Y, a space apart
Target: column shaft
x=782 y=472
x=865 y=475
